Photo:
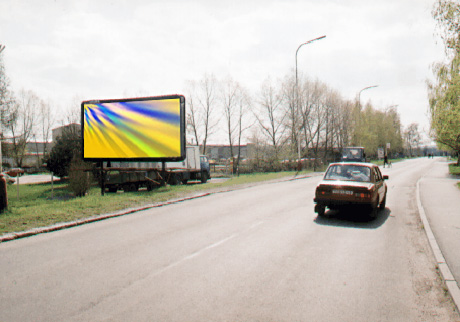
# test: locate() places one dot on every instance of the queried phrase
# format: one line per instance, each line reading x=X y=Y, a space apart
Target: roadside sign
x=380 y=153
x=388 y=146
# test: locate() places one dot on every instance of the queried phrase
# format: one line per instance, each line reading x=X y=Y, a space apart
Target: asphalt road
x=256 y=254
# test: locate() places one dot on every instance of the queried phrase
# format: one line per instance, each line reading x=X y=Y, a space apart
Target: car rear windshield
x=348 y=173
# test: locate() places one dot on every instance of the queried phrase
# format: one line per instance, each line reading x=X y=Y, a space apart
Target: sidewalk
x=439 y=205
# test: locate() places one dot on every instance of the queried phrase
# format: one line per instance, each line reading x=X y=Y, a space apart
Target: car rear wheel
x=321 y=210
x=374 y=209
x=204 y=177
x=384 y=202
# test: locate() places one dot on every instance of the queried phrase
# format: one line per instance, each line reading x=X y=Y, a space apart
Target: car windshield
x=348 y=173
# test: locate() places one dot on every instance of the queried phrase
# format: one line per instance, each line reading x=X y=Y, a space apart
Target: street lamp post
x=359 y=108
x=359 y=95
x=305 y=43
x=296 y=90
x=2 y=47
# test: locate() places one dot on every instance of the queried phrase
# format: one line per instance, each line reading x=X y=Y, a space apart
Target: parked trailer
x=130 y=176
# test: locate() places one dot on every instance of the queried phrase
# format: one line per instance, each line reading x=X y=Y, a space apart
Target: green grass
x=454 y=170
x=40 y=205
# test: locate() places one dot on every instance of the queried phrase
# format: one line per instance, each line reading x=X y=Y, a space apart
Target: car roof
x=362 y=164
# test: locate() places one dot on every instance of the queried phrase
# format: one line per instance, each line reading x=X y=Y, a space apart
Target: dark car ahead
x=348 y=184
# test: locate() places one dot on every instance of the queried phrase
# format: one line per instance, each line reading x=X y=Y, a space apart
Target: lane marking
x=202 y=250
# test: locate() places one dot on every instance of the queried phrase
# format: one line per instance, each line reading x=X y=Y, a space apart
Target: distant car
x=14 y=172
x=349 y=184
x=8 y=178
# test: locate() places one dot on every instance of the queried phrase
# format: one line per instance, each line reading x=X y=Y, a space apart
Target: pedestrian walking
x=385 y=160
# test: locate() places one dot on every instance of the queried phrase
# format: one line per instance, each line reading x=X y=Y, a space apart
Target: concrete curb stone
x=444 y=270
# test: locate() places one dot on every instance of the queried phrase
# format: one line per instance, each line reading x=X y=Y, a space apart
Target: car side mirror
x=386 y=177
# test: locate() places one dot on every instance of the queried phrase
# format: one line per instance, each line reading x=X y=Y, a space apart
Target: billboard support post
x=102 y=179
x=163 y=174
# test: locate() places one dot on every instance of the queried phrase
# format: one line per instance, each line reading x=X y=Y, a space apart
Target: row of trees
x=444 y=92
x=287 y=119
x=291 y=118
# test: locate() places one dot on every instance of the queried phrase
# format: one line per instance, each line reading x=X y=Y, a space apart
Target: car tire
x=374 y=209
x=204 y=177
x=383 y=203
x=321 y=210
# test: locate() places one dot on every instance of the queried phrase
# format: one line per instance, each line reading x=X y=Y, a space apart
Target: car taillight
x=363 y=195
x=320 y=192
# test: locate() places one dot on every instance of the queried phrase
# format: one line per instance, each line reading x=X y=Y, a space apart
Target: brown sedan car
x=351 y=184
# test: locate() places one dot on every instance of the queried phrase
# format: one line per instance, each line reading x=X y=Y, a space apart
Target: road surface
x=255 y=254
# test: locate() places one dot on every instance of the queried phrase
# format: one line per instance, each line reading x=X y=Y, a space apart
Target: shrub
x=80 y=178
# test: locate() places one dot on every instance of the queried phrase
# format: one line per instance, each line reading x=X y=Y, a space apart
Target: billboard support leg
x=102 y=179
x=163 y=174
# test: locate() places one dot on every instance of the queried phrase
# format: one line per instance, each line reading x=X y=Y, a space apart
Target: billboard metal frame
x=182 y=138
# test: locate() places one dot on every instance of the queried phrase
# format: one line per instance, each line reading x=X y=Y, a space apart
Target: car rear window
x=348 y=172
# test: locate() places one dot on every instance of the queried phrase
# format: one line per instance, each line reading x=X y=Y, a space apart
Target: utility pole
x=2 y=47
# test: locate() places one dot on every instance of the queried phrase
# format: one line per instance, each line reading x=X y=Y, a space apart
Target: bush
x=67 y=145
x=79 y=179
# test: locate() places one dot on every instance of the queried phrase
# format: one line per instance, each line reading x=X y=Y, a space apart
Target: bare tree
x=22 y=126
x=236 y=104
x=270 y=116
x=412 y=138
x=46 y=121
x=6 y=103
x=243 y=122
x=230 y=92
x=193 y=118
x=202 y=117
x=293 y=120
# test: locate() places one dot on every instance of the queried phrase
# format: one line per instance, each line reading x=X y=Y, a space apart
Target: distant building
x=220 y=151
x=69 y=128
x=35 y=151
x=34 y=154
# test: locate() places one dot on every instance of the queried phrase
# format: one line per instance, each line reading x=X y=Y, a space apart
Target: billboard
x=134 y=129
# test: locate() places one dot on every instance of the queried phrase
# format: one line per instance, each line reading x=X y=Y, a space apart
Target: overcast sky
x=112 y=49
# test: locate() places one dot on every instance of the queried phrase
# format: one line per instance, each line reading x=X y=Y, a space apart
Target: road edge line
x=444 y=269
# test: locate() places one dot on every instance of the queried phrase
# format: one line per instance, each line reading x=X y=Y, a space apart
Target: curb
x=444 y=269
x=60 y=226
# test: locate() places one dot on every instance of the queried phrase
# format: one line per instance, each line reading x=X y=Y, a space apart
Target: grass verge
x=40 y=205
x=454 y=170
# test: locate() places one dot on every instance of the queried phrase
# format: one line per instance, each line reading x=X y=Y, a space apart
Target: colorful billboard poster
x=134 y=129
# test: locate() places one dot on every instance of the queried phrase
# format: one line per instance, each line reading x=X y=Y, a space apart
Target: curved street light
x=296 y=86
x=305 y=43
x=359 y=95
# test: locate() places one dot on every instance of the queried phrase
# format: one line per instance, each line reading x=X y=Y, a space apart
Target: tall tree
x=444 y=94
x=202 y=117
x=6 y=102
x=270 y=116
x=412 y=138
x=23 y=123
x=46 y=121
x=230 y=92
